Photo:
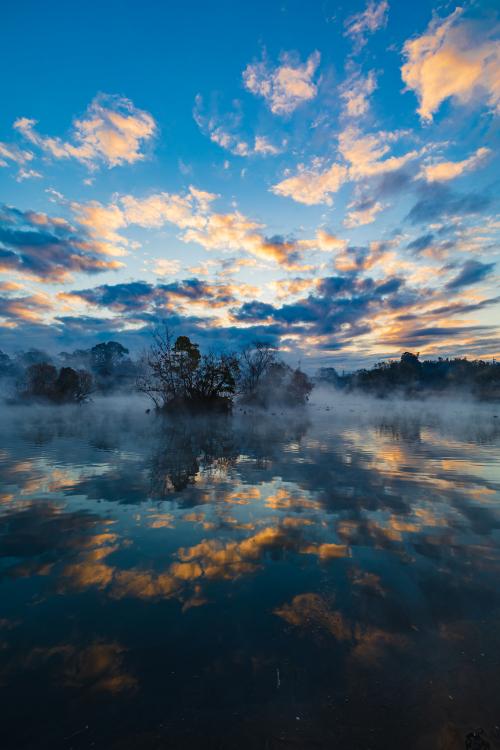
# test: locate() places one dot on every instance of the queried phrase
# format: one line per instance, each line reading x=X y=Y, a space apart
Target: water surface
x=323 y=579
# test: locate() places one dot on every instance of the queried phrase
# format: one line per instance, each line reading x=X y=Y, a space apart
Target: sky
x=320 y=176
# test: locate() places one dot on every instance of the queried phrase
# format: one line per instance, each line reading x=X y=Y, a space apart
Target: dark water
x=323 y=580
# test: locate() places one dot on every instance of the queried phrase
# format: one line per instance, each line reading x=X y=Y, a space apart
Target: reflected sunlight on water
x=322 y=579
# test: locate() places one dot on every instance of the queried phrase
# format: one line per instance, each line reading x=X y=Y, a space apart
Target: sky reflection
x=340 y=568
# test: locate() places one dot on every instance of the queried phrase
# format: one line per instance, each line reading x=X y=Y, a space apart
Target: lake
x=321 y=579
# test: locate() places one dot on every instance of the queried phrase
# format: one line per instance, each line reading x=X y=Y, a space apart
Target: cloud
x=348 y=312
x=102 y=222
x=28 y=174
x=125 y=297
x=225 y=132
x=355 y=93
x=439 y=201
x=30 y=308
x=360 y=25
x=159 y=300
x=47 y=248
x=471 y=272
x=365 y=152
x=185 y=211
x=455 y=58
x=10 y=152
x=324 y=241
x=314 y=184
x=286 y=86
x=362 y=213
x=448 y=170
x=364 y=258
x=112 y=132
x=165 y=267
x=263 y=146
x=222 y=130
x=363 y=156
x=192 y=213
x=285 y=288
x=234 y=231
x=340 y=306
x=421 y=243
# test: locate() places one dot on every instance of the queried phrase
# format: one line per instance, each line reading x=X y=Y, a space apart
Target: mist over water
x=325 y=577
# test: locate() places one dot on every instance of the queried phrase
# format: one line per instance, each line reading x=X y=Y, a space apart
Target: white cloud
x=286 y=86
x=314 y=184
x=112 y=132
x=184 y=168
x=363 y=156
x=324 y=241
x=360 y=25
x=362 y=213
x=263 y=146
x=448 y=170
x=185 y=211
x=165 y=267
x=102 y=223
x=455 y=58
x=223 y=130
x=234 y=231
x=365 y=152
x=27 y=174
x=355 y=93
x=10 y=152
x=191 y=213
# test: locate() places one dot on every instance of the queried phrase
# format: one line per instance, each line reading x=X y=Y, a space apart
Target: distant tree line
x=412 y=376
x=35 y=374
x=175 y=374
x=45 y=381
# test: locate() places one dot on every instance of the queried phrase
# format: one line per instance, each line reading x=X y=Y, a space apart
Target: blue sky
x=321 y=177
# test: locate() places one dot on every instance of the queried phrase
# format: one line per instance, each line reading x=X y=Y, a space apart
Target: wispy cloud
x=362 y=212
x=286 y=86
x=360 y=25
x=443 y=171
x=356 y=91
x=225 y=131
x=111 y=132
x=165 y=266
x=12 y=153
x=437 y=201
x=364 y=156
x=471 y=272
x=28 y=174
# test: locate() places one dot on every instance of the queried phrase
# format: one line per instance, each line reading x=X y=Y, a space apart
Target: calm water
x=323 y=580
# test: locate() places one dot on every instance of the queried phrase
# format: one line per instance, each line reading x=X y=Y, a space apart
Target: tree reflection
x=184 y=447
x=187 y=447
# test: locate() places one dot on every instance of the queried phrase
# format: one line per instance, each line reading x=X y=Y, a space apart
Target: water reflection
x=310 y=580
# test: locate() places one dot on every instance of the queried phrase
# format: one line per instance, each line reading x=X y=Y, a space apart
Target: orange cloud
x=455 y=58
x=285 y=87
x=448 y=170
x=112 y=131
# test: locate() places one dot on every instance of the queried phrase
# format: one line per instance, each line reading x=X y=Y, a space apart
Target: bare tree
x=255 y=362
x=176 y=373
x=266 y=380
